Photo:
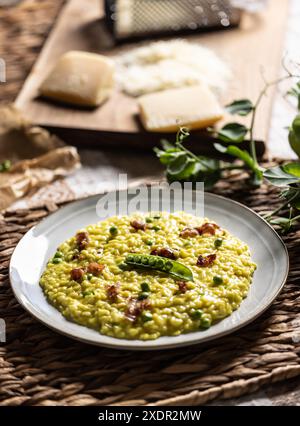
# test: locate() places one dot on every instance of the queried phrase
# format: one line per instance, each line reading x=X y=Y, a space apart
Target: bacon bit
x=77 y=274
x=136 y=224
x=189 y=232
x=207 y=228
x=164 y=252
x=208 y=260
x=95 y=268
x=182 y=285
x=135 y=308
x=82 y=239
x=113 y=291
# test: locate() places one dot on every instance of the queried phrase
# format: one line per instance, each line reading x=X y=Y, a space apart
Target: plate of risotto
x=149 y=279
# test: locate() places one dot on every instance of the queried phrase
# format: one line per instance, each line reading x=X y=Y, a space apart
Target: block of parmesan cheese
x=195 y=107
x=80 y=78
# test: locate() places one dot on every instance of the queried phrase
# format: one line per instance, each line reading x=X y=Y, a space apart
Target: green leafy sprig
x=286 y=177
x=183 y=165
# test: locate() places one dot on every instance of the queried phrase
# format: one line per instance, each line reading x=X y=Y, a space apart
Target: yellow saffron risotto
x=119 y=275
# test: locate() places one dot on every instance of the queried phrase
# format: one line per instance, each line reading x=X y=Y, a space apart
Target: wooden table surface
x=27 y=26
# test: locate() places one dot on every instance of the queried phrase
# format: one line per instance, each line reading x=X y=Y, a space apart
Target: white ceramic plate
x=39 y=244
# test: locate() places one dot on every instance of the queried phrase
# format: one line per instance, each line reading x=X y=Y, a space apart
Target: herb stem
x=294 y=219
x=286 y=203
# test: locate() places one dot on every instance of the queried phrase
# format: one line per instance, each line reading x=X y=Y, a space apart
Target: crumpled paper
x=37 y=156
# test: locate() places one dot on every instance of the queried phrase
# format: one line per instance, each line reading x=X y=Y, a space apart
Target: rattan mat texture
x=40 y=367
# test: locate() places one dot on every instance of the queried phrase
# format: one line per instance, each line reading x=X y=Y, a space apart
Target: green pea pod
x=160 y=264
x=294 y=142
x=294 y=135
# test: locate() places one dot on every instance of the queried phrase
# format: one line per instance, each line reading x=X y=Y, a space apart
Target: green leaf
x=178 y=164
x=220 y=148
x=233 y=132
x=292 y=169
x=183 y=166
x=279 y=177
x=241 y=107
x=166 y=157
x=181 y=170
x=166 y=145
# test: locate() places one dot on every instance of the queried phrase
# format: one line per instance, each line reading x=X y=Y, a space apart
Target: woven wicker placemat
x=40 y=367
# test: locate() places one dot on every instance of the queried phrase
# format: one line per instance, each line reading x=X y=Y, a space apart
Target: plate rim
x=125 y=344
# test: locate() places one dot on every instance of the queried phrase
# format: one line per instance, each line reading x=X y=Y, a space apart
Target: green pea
x=196 y=314
x=89 y=276
x=148 y=220
x=205 y=321
x=145 y=287
x=56 y=260
x=149 y=242
x=152 y=261
x=156 y=228
x=113 y=230
x=146 y=316
x=217 y=280
x=159 y=263
x=218 y=242
x=145 y=260
x=87 y=293
x=59 y=254
x=168 y=265
x=131 y=258
x=137 y=259
x=143 y=295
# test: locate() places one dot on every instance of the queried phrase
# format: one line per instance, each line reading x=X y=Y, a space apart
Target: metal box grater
x=142 y=18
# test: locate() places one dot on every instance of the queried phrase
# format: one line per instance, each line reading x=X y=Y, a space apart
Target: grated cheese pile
x=170 y=64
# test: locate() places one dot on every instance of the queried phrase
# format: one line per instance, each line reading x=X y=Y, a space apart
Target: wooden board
x=256 y=44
